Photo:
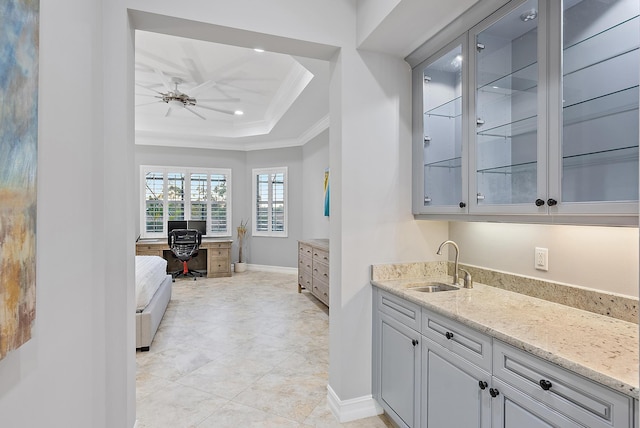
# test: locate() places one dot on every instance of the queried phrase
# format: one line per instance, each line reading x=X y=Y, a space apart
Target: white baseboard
x=267 y=268
x=355 y=408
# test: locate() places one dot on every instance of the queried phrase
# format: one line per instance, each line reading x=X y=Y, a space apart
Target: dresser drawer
x=320 y=255
x=578 y=398
x=304 y=264
x=305 y=249
x=470 y=344
x=321 y=291
x=320 y=271
x=401 y=310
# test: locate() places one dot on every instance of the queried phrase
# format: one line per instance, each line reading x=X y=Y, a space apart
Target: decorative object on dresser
x=241 y=266
x=313 y=268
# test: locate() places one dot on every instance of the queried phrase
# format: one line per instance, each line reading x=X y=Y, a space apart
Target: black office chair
x=184 y=244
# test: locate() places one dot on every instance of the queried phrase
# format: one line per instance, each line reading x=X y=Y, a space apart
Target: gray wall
x=269 y=251
x=258 y=250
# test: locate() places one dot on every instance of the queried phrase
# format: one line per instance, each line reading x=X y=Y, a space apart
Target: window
x=185 y=194
x=270 y=202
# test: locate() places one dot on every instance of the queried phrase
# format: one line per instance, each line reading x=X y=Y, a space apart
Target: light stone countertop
x=598 y=347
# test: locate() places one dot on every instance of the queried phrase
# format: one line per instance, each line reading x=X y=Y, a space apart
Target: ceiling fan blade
x=146 y=95
x=168 y=112
x=164 y=80
x=193 y=92
x=218 y=100
x=148 y=88
x=146 y=104
x=191 y=67
x=217 y=109
x=197 y=114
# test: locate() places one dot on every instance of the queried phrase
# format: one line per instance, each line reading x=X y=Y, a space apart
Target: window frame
x=188 y=172
x=255 y=172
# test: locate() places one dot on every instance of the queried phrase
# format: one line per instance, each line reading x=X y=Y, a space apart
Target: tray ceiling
x=283 y=99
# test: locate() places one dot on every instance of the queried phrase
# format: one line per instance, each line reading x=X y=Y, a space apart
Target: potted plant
x=241 y=266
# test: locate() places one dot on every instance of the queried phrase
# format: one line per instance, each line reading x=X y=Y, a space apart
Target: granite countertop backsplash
x=598 y=346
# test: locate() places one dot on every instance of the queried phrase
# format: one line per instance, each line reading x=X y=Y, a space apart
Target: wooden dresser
x=313 y=268
x=218 y=254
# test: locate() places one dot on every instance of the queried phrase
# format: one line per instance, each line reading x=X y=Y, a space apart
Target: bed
x=153 y=292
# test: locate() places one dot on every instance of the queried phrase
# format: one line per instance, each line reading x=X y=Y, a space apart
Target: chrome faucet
x=468 y=283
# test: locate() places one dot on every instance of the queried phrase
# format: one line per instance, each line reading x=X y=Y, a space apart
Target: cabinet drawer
x=148 y=252
x=215 y=245
x=320 y=255
x=321 y=291
x=215 y=252
x=470 y=344
x=304 y=264
x=572 y=395
x=401 y=310
x=320 y=271
x=219 y=264
x=305 y=249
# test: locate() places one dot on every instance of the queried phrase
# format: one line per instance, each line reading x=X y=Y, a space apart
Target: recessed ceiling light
x=258 y=50
x=238 y=112
x=529 y=15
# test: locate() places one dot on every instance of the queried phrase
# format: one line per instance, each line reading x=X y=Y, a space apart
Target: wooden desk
x=216 y=256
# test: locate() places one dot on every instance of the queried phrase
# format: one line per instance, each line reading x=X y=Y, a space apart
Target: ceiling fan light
x=175 y=103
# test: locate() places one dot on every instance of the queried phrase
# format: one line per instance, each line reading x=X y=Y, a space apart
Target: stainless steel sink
x=433 y=287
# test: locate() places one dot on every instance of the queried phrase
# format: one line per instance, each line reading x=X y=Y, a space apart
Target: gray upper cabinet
x=442 y=80
x=532 y=113
x=597 y=106
x=507 y=150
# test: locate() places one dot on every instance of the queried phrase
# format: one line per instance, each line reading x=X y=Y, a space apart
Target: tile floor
x=245 y=351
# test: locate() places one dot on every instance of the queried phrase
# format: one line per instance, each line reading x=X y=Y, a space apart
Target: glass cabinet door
x=506 y=152
x=442 y=122
x=599 y=129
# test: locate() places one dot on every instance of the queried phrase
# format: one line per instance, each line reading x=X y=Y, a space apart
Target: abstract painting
x=326 y=192
x=19 y=49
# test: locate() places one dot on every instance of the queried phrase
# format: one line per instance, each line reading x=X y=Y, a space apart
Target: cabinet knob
x=462 y=204
x=552 y=202
x=493 y=392
x=448 y=335
x=414 y=342
x=483 y=385
x=539 y=202
x=545 y=384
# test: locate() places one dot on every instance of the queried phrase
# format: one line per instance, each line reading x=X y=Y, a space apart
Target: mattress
x=150 y=272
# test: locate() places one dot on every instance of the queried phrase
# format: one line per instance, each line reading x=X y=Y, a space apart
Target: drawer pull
x=448 y=335
x=545 y=384
x=493 y=392
x=483 y=385
x=414 y=342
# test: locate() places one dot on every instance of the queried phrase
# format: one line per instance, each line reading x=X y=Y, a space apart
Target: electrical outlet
x=542 y=259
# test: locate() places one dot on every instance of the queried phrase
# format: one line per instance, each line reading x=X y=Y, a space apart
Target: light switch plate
x=542 y=259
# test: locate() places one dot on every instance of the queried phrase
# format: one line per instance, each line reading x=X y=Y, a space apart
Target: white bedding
x=150 y=272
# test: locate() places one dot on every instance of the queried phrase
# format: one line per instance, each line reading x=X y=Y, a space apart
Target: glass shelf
x=450 y=109
x=605 y=105
x=614 y=41
x=447 y=163
x=524 y=79
x=519 y=168
x=602 y=157
x=512 y=129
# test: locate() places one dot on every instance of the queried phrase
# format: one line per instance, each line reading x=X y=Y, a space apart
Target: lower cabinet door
x=512 y=408
x=399 y=372
x=456 y=392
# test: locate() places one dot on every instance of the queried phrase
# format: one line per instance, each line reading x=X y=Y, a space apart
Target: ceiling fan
x=177 y=99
